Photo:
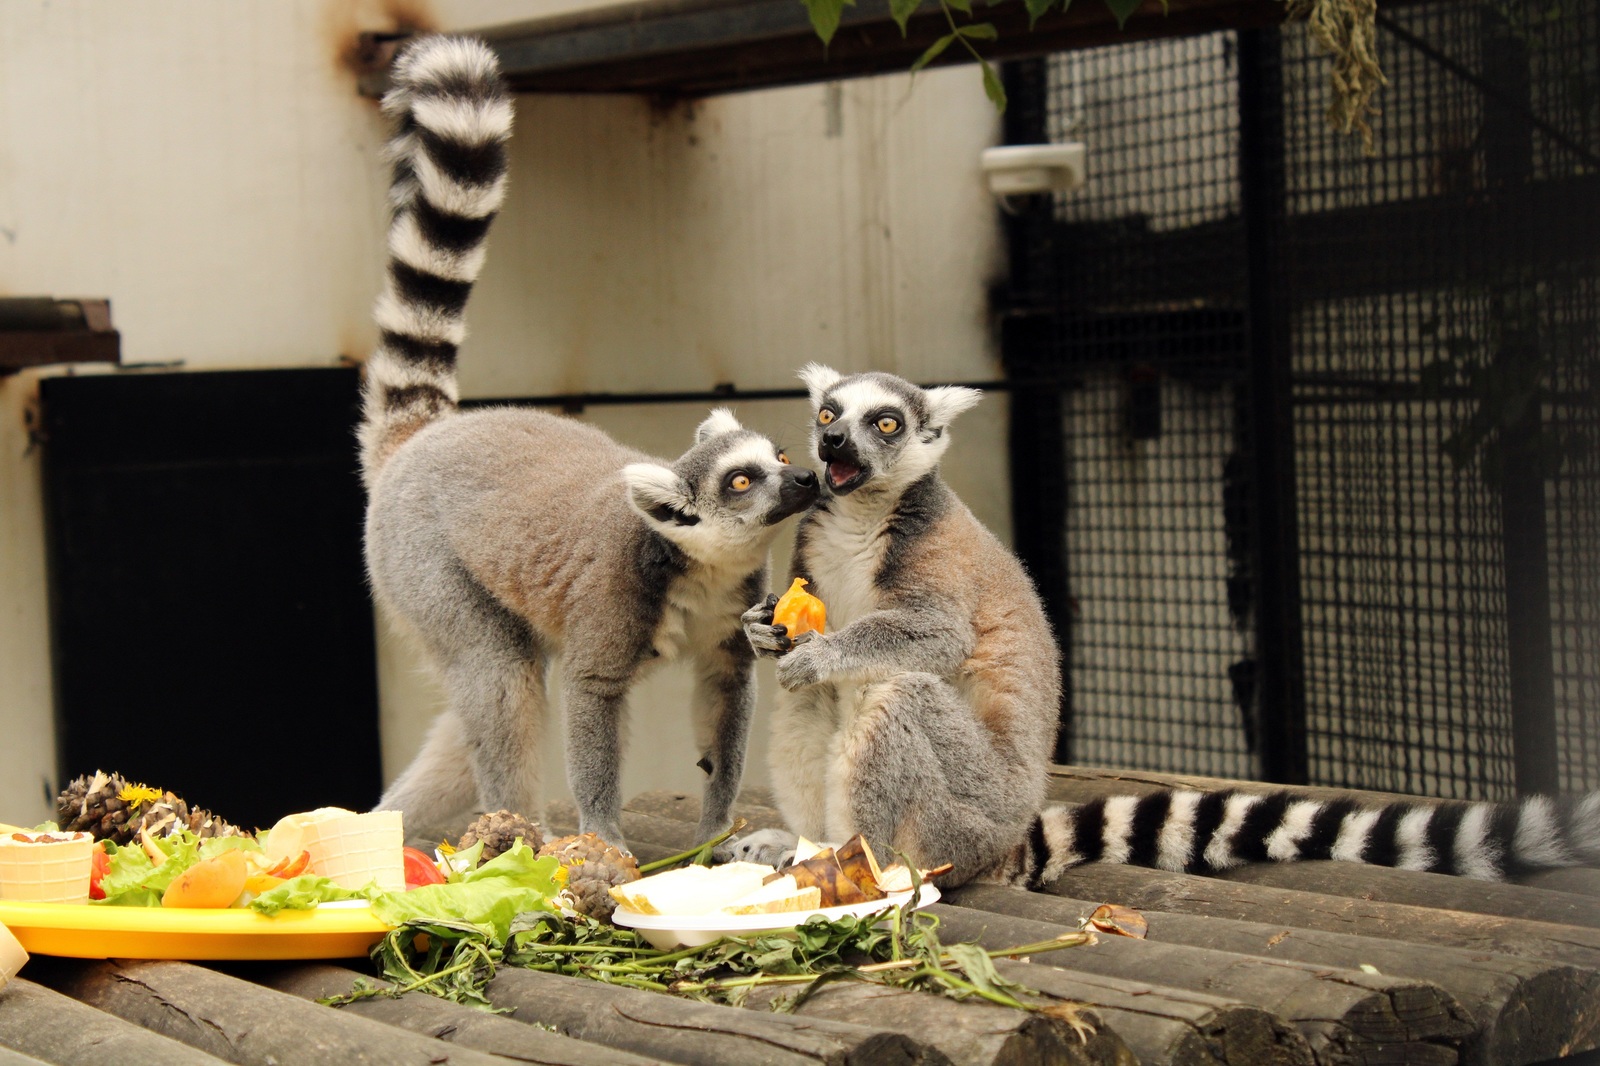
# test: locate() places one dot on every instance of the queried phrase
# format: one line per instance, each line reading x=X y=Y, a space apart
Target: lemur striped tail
x=452 y=119
x=1205 y=832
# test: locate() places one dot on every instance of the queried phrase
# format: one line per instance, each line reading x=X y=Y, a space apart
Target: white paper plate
x=668 y=931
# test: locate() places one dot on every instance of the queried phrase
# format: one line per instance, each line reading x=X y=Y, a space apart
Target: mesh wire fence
x=1440 y=302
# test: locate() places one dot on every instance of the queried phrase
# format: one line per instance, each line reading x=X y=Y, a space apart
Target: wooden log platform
x=1233 y=972
x=1518 y=1005
x=971 y=1031
x=41 y=1025
x=685 y=1031
x=463 y=1026
x=239 y=1021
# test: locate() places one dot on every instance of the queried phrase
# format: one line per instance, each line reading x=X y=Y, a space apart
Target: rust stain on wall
x=355 y=32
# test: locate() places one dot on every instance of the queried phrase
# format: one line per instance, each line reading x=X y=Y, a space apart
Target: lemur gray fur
x=925 y=717
x=504 y=537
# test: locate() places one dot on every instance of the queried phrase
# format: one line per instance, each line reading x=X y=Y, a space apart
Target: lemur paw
x=809 y=663
x=770 y=847
x=764 y=637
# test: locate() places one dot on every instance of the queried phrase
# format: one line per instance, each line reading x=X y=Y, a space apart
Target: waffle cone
x=349 y=849
x=47 y=871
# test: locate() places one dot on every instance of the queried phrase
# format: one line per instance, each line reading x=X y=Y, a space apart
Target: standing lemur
x=506 y=537
x=925 y=717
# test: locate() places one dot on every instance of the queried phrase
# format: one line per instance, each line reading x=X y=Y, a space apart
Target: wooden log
x=684 y=807
x=682 y=1030
x=1525 y=1010
x=1346 y=1015
x=971 y=1032
x=241 y=1022
x=9 y=1057
x=1080 y=784
x=1584 y=880
x=640 y=829
x=463 y=1026
x=39 y=1024
x=1155 y=890
x=1168 y=1026
x=1422 y=889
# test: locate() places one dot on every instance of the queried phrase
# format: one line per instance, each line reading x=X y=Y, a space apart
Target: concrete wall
x=211 y=169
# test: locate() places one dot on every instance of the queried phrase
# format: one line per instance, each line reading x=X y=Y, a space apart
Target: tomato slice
x=420 y=869
x=100 y=864
x=291 y=867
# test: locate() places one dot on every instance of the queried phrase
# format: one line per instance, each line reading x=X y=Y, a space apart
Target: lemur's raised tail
x=452 y=118
x=506 y=539
x=1206 y=832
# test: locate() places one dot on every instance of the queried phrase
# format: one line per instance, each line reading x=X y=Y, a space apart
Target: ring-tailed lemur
x=505 y=537
x=925 y=718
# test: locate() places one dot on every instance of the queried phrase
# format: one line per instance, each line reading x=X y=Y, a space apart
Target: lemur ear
x=948 y=401
x=659 y=494
x=819 y=379
x=720 y=421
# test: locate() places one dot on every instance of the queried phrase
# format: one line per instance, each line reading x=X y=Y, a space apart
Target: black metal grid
x=1154 y=344
x=1419 y=614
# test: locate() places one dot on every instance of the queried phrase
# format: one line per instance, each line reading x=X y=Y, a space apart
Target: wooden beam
x=702 y=47
x=40 y=331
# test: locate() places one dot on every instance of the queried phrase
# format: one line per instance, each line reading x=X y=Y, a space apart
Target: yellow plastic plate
x=343 y=930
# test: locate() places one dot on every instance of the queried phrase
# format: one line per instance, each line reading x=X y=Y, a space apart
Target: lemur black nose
x=805 y=478
x=833 y=437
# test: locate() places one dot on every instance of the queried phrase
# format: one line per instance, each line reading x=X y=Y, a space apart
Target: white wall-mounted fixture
x=1025 y=169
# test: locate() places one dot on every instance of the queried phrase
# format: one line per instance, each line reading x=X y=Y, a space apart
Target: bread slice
x=777 y=897
x=691 y=890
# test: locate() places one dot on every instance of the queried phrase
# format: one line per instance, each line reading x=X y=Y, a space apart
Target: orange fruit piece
x=214 y=882
x=799 y=611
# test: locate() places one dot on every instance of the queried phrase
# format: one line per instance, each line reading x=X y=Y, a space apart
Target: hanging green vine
x=1345 y=29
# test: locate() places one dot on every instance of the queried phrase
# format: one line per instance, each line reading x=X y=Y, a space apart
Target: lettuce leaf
x=488 y=896
x=303 y=893
x=133 y=880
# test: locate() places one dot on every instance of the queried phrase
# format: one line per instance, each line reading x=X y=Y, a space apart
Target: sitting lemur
x=925 y=717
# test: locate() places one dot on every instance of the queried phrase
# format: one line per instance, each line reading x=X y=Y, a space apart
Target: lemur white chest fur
x=844 y=553
x=697 y=607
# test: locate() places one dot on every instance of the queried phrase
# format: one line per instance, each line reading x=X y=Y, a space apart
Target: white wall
x=211 y=169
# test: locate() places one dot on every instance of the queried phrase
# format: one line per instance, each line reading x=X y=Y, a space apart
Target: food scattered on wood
x=1123 y=921
x=799 y=611
x=691 y=890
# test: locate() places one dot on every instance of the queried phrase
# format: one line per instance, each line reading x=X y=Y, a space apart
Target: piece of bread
x=690 y=890
x=777 y=897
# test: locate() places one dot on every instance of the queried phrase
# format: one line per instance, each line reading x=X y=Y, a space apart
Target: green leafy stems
x=826 y=15
x=457 y=960
x=699 y=855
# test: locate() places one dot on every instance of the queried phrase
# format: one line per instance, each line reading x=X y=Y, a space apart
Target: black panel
x=211 y=627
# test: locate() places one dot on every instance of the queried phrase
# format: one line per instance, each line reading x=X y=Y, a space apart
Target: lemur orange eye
x=783 y=457
x=887 y=424
x=739 y=483
x=824 y=416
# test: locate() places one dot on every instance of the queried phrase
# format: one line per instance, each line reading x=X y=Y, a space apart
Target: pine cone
x=109 y=807
x=592 y=866
x=499 y=832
